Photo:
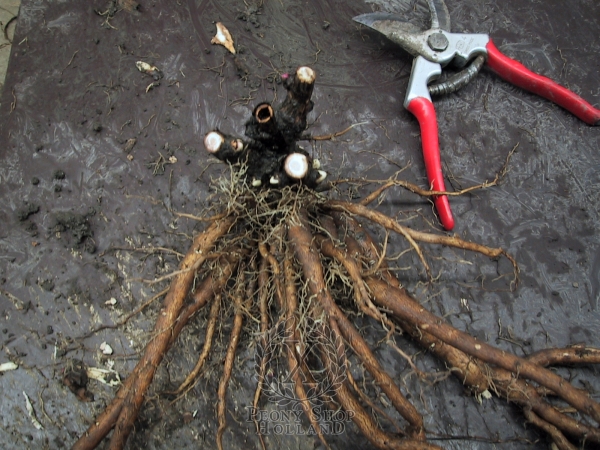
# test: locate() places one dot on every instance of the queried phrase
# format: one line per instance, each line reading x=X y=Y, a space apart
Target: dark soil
x=27 y=210
x=84 y=136
x=77 y=227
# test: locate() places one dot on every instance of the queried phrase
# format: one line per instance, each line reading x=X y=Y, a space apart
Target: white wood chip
x=31 y=413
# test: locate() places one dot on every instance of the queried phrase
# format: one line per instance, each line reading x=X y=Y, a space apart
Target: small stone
x=106 y=349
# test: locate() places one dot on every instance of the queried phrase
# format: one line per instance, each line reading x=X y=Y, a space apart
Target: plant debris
x=27 y=211
x=223 y=37
x=77 y=226
x=36 y=423
x=149 y=69
x=106 y=349
x=8 y=366
x=104 y=376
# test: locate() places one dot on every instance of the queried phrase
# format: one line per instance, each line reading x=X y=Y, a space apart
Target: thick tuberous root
x=292 y=269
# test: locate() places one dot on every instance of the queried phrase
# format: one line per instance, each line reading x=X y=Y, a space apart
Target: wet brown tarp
x=73 y=189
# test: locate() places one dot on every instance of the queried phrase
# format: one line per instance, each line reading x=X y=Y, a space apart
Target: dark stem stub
x=270 y=150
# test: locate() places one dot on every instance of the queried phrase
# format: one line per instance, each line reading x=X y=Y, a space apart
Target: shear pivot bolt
x=437 y=42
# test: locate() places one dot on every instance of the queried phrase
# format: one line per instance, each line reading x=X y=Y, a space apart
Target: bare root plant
x=288 y=254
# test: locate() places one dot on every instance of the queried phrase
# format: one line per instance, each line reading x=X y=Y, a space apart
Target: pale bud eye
x=213 y=141
x=237 y=145
x=296 y=166
x=322 y=176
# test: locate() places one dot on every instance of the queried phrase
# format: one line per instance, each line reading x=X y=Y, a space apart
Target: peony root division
x=295 y=256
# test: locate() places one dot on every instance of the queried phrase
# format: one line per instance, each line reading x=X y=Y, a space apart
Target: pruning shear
x=437 y=47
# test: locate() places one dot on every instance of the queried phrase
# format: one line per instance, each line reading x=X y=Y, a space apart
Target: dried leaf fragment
x=223 y=37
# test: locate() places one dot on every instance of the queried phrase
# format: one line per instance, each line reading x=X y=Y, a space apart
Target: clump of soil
x=47 y=285
x=27 y=211
x=76 y=379
x=250 y=15
x=77 y=227
x=24 y=213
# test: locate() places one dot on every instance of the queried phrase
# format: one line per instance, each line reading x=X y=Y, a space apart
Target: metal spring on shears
x=459 y=80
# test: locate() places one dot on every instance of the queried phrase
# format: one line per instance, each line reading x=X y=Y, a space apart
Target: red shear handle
x=423 y=110
x=521 y=76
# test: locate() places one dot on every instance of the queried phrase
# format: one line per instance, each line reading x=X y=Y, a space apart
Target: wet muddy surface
x=96 y=156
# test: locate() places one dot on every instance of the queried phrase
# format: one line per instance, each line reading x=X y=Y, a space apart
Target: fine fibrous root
x=387 y=184
x=412 y=236
x=292 y=267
